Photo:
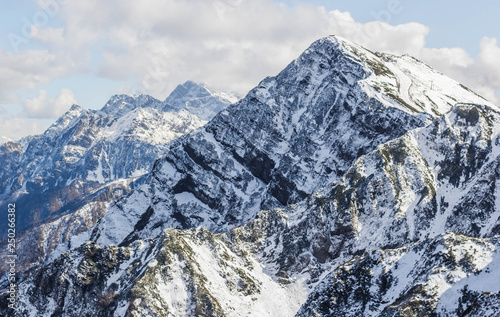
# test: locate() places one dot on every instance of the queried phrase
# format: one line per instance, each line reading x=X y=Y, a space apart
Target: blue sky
x=57 y=52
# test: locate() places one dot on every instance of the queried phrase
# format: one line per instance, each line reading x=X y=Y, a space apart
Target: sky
x=55 y=53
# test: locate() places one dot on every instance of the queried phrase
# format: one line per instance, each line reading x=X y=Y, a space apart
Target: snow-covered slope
x=361 y=246
x=179 y=273
x=415 y=85
x=64 y=180
x=119 y=105
x=442 y=178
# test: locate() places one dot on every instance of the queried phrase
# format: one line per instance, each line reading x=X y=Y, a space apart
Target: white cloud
x=12 y=129
x=43 y=107
x=53 y=37
x=28 y=69
x=231 y=44
x=489 y=63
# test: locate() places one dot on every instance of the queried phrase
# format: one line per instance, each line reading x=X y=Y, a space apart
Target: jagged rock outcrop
x=402 y=192
x=179 y=273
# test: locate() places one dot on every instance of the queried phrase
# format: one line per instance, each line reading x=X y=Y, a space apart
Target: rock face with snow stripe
x=449 y=275
x=84 y=161
x=402 y=192
x=288 y=137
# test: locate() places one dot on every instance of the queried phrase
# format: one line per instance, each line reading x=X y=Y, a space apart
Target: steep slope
x=64 y=180
x=442 y=178
x=282 y=254
x=288 y=137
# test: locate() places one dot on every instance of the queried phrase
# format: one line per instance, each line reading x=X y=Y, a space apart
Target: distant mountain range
x=64 y=179
x=352 y=183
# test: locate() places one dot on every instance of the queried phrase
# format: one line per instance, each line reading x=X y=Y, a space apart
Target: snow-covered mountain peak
x=367 y=180
x=119 y=105
x=199 y=99
x=75 y=107
x=151 y=125
x=402 y=81
x=189 y=88
x=68 y=119
x=66 y=177
x=287 y=138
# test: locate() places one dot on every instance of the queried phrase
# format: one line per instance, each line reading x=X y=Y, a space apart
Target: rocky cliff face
x=395 y=196
x=64 y=180
x=345 y=185
x=404 y=191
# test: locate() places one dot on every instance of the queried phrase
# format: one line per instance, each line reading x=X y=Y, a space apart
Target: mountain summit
x=290 y=136
x=119 y=105
x=197 y=98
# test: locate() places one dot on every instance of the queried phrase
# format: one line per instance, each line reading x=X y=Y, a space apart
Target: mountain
x=290 y=136
x=64 y=179
x=351 y=183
